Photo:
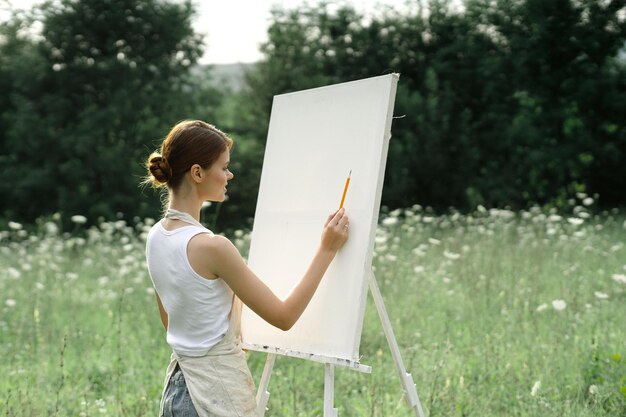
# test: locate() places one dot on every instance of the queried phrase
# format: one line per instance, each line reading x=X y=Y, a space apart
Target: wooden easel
x=410 y=392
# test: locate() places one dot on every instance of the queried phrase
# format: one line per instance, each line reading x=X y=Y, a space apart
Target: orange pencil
x=345 y=190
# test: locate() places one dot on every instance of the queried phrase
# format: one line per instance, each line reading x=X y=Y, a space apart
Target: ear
x=196 y=173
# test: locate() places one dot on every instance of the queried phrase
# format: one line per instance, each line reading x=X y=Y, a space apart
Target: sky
x=233 y=29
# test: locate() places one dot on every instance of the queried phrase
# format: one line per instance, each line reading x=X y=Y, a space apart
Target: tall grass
x=497 y=313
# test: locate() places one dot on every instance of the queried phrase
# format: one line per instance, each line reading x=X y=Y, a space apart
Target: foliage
x=502 y=103
x=497 y=313
x=88 y=99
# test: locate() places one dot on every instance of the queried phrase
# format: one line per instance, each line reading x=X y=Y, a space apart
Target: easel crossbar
x=345 y=363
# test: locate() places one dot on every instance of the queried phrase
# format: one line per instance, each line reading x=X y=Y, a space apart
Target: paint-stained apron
x=219 y=383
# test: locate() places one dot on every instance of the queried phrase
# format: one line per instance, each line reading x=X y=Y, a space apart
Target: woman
x=200 y=277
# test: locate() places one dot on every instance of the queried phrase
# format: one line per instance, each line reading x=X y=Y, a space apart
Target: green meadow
x=497 y=313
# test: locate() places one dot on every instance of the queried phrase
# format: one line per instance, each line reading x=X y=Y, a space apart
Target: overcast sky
x=234 y=28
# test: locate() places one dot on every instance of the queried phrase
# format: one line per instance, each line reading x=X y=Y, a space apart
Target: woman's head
x=189 y=143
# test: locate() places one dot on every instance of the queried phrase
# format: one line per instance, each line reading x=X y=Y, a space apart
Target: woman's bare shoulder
x=208 y=252
x=207 y=243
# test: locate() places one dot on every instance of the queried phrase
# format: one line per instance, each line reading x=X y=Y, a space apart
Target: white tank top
x=198 y=309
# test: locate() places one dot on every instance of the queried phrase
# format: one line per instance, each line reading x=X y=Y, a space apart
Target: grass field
x=496 y=313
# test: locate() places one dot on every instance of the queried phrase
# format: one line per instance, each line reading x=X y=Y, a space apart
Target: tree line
x=500 y=102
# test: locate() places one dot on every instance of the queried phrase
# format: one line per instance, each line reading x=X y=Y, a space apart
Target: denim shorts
x=177 y=402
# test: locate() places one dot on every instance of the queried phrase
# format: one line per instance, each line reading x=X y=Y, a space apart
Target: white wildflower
x=51 y=228
x=446 y=280
x=10 y=302
x=428 y=219
x=535 y=389
x=575 y=221
x=390 y=257
x=601 y=295
x=15 y=225
x=542 y=307
x=103 y=280
x=72 y=276
x=434 y=241
x=588 y=201
x=551 y=231
x=13 y=273
x=78 y=219
x=593 y=389
x=379 y=240
x=559 y=305
x=101 y=404
x=150 y=290
x=418 y=269
x=39 y=286
x=395 y=213
x=390 y=221
x=451 y=255
x=621 y=278
x=555 y=218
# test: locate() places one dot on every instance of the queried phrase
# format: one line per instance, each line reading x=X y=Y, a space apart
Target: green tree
x=104 y=82
x=504 y=102
x=567 y=86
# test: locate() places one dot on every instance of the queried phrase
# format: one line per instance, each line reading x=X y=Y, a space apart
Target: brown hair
x=189 y=142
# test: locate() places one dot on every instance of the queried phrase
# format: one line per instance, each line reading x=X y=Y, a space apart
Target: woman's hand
x=335 y=231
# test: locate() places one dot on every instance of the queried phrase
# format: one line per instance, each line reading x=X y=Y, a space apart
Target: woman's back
x=197 y=308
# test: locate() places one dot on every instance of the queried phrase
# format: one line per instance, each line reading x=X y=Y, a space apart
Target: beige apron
x=219 y=383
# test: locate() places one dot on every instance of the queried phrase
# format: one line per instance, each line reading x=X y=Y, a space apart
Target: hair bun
x=159 y=168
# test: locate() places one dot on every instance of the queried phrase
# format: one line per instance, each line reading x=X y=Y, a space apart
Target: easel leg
x=262 y=395
x=329 y=391
x=410 y=392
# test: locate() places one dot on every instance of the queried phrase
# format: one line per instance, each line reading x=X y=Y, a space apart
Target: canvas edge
x=394 y=77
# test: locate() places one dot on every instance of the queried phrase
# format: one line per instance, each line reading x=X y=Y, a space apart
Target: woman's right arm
x=226 y=262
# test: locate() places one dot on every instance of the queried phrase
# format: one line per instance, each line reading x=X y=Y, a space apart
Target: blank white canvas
x=315 y=138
